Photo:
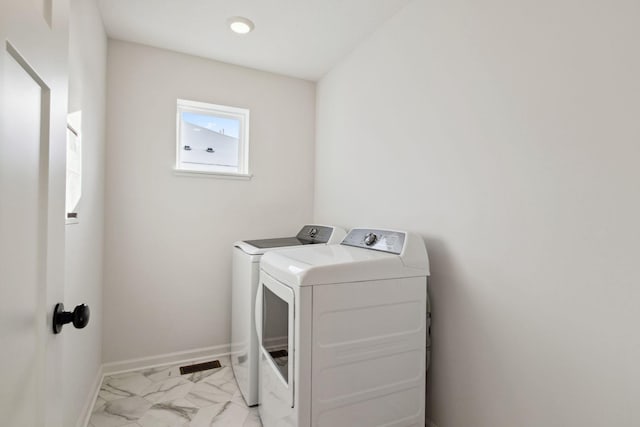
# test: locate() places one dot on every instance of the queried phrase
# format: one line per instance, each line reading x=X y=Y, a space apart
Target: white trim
x=85 y=415
x=166 y=359
x=206 y=107
x=218 y=175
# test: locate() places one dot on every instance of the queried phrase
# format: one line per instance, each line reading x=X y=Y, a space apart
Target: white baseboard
x=166 y=359
x=83 y=420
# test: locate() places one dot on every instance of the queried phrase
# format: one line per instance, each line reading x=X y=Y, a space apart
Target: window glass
x=275 y=330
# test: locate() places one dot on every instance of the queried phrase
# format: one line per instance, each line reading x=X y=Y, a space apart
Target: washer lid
x=277 y=243
x=310 y=234
x=348 y=262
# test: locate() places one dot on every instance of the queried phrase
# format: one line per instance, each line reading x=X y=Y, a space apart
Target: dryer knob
x=370 y=239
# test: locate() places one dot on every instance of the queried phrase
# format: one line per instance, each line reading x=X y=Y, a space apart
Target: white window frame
x=241 y=114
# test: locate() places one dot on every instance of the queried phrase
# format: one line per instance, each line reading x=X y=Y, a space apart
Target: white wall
x=84 y=241
x=507 y=134
x=168 y=237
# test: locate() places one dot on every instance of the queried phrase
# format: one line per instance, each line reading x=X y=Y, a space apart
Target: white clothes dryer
x=245 y=272
x=342 y=332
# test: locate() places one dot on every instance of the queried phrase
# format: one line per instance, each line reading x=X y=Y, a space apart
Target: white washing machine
x=342 y=332
x=245 y=272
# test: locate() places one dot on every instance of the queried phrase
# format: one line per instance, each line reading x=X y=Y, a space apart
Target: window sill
x=216 y=175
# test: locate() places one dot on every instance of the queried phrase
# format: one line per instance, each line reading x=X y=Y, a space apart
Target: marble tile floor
x=161 y=397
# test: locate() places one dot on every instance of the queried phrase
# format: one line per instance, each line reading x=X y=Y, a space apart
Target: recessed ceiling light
x=240 y=25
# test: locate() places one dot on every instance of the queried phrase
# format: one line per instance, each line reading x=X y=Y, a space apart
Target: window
x=212 y=139
x=74 y=166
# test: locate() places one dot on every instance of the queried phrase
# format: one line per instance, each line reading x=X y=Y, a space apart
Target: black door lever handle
x=79 y=317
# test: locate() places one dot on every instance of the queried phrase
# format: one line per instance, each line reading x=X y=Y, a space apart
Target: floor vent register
x=190 y=369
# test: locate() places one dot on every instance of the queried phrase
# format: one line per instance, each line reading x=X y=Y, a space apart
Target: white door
x=276 y=335
x=33 y=99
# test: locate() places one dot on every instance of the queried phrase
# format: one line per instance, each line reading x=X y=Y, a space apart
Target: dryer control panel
x=378 y=240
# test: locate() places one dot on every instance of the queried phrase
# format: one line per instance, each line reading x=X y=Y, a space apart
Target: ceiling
x=299 y=38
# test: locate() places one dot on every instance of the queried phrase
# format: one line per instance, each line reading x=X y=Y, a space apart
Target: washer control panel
x=379 y=240
x=315 y=233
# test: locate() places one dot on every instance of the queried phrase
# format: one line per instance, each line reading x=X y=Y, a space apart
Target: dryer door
x=277 y=337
